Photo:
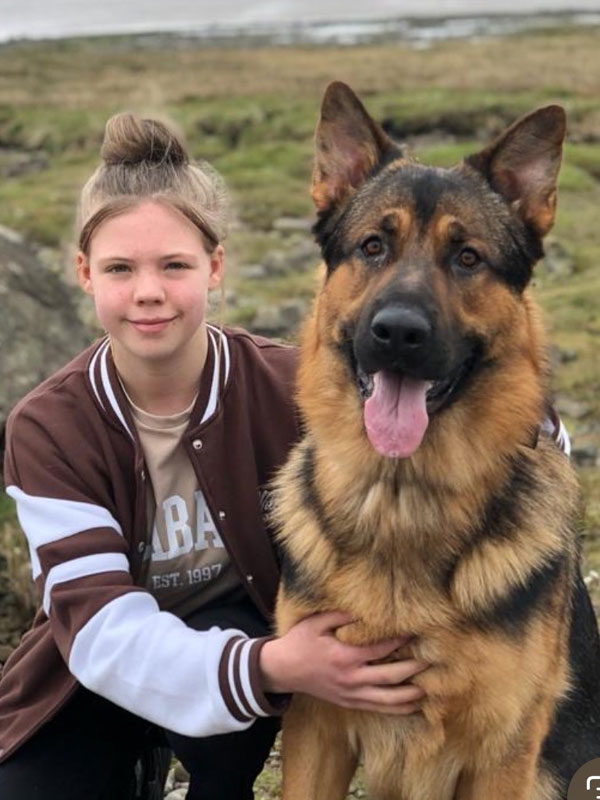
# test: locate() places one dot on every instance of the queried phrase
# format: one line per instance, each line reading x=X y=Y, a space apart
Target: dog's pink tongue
x=395 y=414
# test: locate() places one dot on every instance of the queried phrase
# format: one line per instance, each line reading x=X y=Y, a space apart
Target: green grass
x=252 y=111
x=586 y=156
x=7 y=512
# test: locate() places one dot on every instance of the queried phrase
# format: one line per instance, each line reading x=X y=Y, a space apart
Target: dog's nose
x=398 y=329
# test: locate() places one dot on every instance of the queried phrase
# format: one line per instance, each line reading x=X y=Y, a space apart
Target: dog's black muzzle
x=406 y=337
x=401 y=337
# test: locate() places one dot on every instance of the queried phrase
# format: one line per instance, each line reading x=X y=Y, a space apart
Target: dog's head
x=426 y=267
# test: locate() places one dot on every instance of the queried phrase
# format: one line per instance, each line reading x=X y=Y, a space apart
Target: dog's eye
x=373 y=246
x=468 y=258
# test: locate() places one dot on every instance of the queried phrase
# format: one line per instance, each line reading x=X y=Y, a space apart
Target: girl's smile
x=152 y=326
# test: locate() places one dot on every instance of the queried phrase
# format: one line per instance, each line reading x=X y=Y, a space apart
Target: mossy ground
x=251 y=111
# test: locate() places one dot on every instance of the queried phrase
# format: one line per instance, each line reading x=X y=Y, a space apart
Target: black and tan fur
x=468 y=545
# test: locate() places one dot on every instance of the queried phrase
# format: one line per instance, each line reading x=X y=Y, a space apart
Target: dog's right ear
x=348 y=146
x=522 y=165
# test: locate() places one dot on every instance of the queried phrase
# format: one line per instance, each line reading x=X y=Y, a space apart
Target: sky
x=38 y=18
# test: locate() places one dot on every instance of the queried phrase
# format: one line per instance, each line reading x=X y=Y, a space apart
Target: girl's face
x=149 y=274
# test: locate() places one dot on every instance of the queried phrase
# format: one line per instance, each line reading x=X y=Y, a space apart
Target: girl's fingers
x=401 y=710
x=328 y=621
x=388 y=700
x=390 y=674
x=374 y=652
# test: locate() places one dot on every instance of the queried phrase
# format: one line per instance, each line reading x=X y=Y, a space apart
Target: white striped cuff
x=240 y=681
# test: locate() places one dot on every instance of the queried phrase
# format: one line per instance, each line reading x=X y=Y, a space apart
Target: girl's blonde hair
x=145 y=159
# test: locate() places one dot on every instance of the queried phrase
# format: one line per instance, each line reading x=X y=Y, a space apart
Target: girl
x=140 y=474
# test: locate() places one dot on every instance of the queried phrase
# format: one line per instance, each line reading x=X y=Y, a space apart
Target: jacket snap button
x=222 y=515
x=143 y=475
x=141 y=547
x=249 y=578
x=197 y=444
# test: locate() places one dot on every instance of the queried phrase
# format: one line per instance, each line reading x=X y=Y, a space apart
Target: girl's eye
x=176 y=265
x=373 y=246
x=468 y=258
x=117 y=268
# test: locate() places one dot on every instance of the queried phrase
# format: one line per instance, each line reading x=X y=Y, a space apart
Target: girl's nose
x=148 y=289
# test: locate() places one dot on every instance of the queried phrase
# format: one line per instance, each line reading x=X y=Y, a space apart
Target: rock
x=181 y=774
x=217 y=304
x=277 y=262
x=14 y=163
x=56 y=259
x=558 y=356
x=557 y=262
x=253 y=272
x=278 y=320
x=300 y=254
x=170 y=782
x=291 y=314
x=293 y=224
x=40 y=327
x=177 y=794
x=303 y=254
x=592 y=579
x=575 y=409
x=10 y=235
x=567 y=356
x=267 y=322
x=585 y=455
x=231 y=298
x=589 y=428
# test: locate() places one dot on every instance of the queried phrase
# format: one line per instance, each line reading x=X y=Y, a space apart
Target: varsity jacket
x=75 y=468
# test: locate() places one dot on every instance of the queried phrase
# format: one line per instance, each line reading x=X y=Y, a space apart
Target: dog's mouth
x=397 y=407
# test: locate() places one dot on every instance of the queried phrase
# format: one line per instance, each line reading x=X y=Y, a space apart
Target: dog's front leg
x=516 y=779
x=516 y=775
x=318 y=761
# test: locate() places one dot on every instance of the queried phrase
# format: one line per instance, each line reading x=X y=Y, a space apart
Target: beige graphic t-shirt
x=188 y=563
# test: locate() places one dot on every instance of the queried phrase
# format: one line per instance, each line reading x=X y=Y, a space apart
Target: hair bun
x=130 y=140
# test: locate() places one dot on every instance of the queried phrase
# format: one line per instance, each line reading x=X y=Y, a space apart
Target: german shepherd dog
x=423 y=498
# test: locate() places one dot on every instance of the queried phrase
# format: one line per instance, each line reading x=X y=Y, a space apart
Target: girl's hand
x=310 y=659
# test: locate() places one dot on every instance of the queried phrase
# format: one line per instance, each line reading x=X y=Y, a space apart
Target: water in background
x=289 y=21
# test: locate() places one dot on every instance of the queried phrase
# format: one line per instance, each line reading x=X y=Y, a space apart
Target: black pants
x=89 y=750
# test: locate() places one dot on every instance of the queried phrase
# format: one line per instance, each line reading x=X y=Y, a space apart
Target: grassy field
x=252 y=112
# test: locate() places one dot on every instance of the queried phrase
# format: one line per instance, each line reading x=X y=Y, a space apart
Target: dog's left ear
x=523 y=163
x=348 y=146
